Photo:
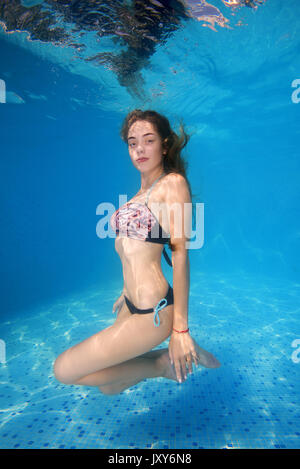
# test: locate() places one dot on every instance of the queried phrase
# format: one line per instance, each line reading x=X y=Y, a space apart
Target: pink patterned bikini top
x=136 y=221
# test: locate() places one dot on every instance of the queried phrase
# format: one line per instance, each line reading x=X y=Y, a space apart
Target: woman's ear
x=165 y=146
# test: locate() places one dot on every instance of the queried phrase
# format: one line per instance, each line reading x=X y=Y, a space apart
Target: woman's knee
x=60 y=370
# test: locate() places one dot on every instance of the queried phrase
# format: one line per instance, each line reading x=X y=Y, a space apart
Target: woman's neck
x=148 y=179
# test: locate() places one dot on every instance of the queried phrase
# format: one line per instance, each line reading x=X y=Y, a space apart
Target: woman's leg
x=149 y=365
x=129 y=337
x=71 y=366
x=115 y=379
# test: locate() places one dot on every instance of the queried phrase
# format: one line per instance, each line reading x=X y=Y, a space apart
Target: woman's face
x=144 y=144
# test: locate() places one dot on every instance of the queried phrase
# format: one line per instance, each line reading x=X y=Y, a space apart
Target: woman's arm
x=181 y=346
x=181 y=287
x=176 y=196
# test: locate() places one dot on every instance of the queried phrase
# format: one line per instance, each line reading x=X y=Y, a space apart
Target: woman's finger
x=178 y=369
x=189 y=363
x=118 y=304
x=195 y=358
x=183 y=367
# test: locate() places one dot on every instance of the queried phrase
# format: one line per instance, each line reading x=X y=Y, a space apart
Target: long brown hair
x=173 y=144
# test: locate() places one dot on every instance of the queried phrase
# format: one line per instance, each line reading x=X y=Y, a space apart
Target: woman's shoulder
x=175 y=183
x=175 y=189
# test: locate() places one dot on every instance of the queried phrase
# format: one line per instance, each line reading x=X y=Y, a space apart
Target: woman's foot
x=167 y=370
x=163 y=362
x=205 y=358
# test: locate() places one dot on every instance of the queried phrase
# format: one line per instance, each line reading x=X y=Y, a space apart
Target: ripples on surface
x=119 y=35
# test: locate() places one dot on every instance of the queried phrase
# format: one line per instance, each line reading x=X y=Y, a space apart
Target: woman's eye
x=133 y=144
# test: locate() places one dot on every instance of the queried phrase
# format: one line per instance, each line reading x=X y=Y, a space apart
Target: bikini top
x=136 y=221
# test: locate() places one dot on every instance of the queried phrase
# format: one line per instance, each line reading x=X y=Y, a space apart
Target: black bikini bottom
x=168 y=300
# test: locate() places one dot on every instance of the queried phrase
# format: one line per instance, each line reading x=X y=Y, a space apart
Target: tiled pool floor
x=252 y=401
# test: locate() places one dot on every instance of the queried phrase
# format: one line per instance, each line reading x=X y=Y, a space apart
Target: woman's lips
x=141 y=160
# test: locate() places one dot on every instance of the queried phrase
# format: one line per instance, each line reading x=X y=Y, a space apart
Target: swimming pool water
x=251 y=401
x=232 y=75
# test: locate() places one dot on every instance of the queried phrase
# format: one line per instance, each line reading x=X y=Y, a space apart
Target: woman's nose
x=139 y=148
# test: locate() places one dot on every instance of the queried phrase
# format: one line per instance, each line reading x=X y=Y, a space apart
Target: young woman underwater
x=149 y=309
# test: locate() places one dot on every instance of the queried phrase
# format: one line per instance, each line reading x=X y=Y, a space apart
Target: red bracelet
x=187 y=330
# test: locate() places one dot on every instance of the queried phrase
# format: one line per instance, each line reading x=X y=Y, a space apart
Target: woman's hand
x=182 y=353
x=118 y=304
